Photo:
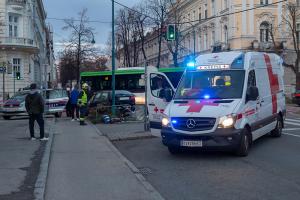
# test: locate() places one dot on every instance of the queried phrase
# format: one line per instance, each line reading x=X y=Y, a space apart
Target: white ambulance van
x=225 y=101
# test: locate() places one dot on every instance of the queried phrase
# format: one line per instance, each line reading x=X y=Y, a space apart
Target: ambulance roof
x=222 y=58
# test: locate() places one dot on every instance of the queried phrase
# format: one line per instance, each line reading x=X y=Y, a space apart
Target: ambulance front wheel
x=244 y=146
x=277 y=132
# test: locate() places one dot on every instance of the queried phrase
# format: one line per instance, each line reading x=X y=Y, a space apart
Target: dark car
x=103 y=100
x=296 y=97
x=55 y=102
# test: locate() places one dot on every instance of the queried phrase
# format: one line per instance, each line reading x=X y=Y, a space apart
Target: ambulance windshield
x=223 y=84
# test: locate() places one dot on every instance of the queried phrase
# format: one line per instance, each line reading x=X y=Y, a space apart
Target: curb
x=40 y=184
x=155 y=194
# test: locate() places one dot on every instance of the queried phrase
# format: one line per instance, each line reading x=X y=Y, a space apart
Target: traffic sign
x=2 y=69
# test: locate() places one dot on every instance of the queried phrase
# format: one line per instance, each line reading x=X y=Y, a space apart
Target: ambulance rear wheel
x=277 y=132
x=244 y=146
x=174 y=150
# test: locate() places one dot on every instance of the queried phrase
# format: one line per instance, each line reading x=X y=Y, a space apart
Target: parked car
x=103 y=100
x=55 y=103
x=296 y=97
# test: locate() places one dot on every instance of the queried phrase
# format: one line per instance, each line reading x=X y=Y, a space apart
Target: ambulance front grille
x=200 y=123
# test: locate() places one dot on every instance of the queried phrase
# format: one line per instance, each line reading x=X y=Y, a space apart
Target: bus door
x=157 y=85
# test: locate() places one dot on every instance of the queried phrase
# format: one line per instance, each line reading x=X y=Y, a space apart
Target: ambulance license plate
x=191 y=143
x=124 y=98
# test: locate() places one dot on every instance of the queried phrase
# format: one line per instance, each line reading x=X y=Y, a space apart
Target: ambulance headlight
x=165 y=121
x=227 y=121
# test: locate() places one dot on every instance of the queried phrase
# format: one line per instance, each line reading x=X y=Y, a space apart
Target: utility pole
x=14 y=77
x=146 y=126
x=113 y=108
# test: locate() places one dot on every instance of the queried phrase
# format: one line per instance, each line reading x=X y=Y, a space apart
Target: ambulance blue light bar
x=209 y=67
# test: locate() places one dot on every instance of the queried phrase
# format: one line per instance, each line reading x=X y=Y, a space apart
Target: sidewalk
x=85 y=165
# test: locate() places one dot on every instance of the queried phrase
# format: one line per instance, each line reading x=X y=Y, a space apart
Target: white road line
x=291 y=129
x=292 y=123
x=293 y=120
x=291 y=135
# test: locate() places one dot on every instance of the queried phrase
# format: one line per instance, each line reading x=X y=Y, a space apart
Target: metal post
x=194 y=42
x=146 y=127
x=14 y=80
x=3 y=79
x=113 y=109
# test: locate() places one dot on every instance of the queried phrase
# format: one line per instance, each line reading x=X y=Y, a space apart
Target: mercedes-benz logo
x=190 y=123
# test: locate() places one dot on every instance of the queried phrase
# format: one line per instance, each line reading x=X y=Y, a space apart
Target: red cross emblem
x=156 y=109
x=274 y=85
x=196 y=106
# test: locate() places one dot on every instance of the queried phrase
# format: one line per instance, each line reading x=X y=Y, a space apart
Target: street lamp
x=113 y=62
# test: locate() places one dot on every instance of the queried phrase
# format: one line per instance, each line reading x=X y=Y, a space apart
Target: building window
x=225 y=34
x=213 y=7
x=205 y=41
x=298 y=2
x=205 y=12
x=199 y=42
x=17 y=65
x=264 y=31
x=194 y=15
x=213 y=38
x=13 y=24
x=264 y=2
x=225 y=4
x=200 y=17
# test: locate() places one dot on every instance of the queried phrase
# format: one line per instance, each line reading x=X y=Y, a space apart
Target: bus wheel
x=277 y=132
x=174 y=150
x=244 y=146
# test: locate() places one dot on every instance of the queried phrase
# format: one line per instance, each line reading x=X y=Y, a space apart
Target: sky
x=99 y=10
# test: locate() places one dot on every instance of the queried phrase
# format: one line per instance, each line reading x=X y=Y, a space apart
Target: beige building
x=25 y=45
x=227 y=25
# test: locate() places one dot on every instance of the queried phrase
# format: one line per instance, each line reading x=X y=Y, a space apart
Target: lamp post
x=113 y=110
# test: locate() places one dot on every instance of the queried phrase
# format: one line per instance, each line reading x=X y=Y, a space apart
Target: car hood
x=201 y=108
x=13 y=102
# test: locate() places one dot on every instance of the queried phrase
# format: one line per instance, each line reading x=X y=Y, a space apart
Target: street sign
x=2 y=69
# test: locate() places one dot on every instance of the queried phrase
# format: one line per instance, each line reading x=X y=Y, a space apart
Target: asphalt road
x=271 y=170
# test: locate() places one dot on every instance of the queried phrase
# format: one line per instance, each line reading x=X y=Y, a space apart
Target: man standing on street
x=73 y=100
x=34 y=104
x=82 y=103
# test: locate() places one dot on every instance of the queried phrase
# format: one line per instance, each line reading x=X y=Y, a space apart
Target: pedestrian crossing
x=294 y=122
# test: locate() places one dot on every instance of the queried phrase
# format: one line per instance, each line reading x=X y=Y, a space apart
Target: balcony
x=16 y=2
x=17 y=43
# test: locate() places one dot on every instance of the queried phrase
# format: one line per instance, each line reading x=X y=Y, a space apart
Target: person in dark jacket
x=73 y=100
x=34 y=104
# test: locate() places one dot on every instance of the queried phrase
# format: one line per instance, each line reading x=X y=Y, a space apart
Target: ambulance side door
x=157 y=85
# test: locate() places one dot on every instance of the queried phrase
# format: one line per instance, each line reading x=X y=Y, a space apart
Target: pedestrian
x=68 y=106
x=34 y=104
x=74 y=100
x=82 y=103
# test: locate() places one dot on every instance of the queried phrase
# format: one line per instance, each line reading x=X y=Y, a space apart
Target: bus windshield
x=225 y=84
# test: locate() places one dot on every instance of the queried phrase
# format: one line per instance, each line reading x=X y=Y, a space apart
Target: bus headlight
x=165 y=121
x=227 y=121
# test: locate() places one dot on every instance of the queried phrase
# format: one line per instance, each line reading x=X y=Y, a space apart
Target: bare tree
x=67 y=65
x=159 y=10
x=291 y=17
x=81 y=39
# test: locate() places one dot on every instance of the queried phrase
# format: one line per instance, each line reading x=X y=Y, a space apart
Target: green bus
x=129 y=79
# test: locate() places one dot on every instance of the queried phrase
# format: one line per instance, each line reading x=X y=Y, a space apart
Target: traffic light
x=18 y=75
x=171 y=32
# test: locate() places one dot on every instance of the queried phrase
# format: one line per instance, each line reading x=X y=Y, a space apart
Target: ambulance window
x=251 y=79
x=158 y=84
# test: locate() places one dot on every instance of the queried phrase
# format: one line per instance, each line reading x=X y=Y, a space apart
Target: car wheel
x=277 y=132
x=244 y=146
x=174 y=150
x=58 y=115
x=6 y=117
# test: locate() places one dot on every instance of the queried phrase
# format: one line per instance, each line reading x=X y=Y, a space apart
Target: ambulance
x=225 y=101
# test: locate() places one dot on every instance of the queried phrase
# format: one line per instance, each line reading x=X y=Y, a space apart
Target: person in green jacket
x=82 y=103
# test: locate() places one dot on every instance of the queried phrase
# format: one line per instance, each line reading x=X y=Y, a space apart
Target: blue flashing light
x=174 y=121
x=206 y=96
x=198 y=101
x=191 y=64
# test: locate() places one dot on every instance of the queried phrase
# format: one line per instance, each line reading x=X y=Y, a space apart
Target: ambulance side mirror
x=168 y=94
x=252 y=94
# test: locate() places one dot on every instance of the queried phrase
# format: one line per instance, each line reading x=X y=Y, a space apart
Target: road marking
x=293 y=120
x=291 y=129
x=292 y=123
x=291 y=135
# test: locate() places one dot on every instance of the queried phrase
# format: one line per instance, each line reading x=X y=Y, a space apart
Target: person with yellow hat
x=82 y=103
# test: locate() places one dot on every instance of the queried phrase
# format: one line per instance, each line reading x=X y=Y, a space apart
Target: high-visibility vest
x=82 y=100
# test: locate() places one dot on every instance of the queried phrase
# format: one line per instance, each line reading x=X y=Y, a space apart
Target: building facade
x=23 y=44
x=208 y=25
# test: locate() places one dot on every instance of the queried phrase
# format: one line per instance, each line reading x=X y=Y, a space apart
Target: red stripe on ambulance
x=274 y=85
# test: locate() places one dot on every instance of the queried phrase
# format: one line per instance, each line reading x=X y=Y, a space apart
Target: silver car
x=55 y=103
